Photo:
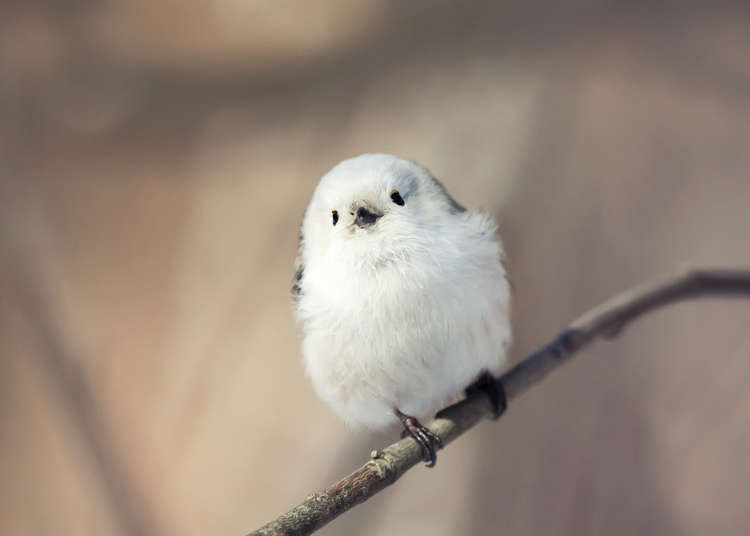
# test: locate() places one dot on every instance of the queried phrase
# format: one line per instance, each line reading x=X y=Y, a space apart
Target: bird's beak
x=365 y=216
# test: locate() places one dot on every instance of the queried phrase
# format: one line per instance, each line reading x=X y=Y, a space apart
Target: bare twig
x=606 y=320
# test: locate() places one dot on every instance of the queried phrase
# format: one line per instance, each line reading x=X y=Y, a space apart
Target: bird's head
x=374 y=207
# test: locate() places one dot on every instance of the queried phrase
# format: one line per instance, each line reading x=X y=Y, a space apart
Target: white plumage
x=403 y=312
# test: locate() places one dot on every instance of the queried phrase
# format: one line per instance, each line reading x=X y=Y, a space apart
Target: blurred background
x=155 y=162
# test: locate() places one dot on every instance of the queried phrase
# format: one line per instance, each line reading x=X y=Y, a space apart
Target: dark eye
x=335 y=216
x=396 y=198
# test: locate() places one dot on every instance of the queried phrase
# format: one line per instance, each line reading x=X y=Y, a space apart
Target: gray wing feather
x=299 y=272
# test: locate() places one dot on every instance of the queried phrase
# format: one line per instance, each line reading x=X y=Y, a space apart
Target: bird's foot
x=486 y=384
x=424 y=437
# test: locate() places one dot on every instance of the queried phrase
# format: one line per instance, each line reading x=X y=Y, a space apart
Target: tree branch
x=607 y=320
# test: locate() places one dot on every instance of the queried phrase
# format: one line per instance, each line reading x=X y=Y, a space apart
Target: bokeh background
x=155 y=162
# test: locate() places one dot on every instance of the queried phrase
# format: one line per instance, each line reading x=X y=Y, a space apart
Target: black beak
x=365 y=218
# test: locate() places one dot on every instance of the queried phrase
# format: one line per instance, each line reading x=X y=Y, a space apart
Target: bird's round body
x=401 y=292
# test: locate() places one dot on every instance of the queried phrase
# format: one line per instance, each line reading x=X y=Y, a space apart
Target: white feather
x=407 y=312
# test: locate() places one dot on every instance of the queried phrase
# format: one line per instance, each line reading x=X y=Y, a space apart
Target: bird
x=402 y=295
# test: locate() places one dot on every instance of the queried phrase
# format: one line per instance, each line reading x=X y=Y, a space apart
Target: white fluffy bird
x=402 y=295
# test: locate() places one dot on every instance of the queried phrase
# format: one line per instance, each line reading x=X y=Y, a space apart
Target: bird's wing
x=299 y=271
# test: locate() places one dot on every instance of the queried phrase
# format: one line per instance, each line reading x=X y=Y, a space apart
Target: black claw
x=486 y=384
x=423 y=436
x=428 y=453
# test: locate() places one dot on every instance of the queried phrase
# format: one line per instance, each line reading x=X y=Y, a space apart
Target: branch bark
x=604 y=321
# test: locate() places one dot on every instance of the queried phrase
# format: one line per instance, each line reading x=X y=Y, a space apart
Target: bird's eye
x=396 y=198
x=335 y=214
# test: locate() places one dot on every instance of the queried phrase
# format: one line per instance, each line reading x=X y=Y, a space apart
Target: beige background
x=155 y=161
